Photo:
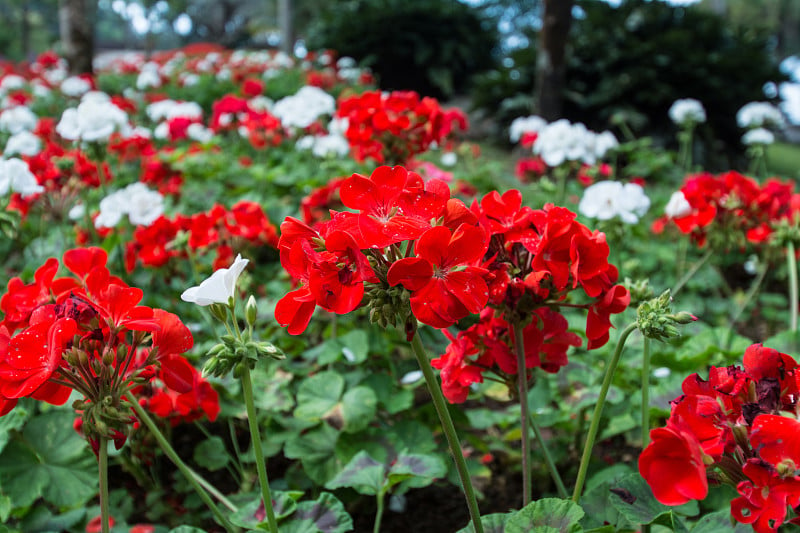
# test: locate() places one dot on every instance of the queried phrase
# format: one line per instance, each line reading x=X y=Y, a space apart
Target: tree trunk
x=77 y=34
x=285 y=21
x=551 y=60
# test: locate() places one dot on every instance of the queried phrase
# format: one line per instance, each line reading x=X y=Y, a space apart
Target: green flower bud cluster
x=656 y=320
x=391 y=306
x=232 y=353
x=786 y=231
x=640 y=290
x=9 y=223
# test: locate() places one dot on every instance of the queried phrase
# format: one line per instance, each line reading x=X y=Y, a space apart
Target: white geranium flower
x=449 y=159
x=561 y=141
x=603 y=142
x=12 y=82
x=758 y=114
x=148 y=76
x=16 y=176
x=23 y=143
x=522 y=125
x=18 y=118
x=687 y=110
x=93 y=120
x=608 y=199
x=75 y=86
x=304 y=107
x=76 y=212
x=758 y=136
x=198 y=132
x=219 y=287
x=677 y=206
x=141 y=204
x=411 y=377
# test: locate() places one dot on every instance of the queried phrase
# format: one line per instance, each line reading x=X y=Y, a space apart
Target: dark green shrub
x=640 y=57
x=431 y=46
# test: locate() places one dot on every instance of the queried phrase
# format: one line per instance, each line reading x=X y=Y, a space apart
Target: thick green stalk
x=791 y=263
x=379 y=513
x=598 y=412
x=646 y=393
x=255 y=434
x=522 y=389
x=178 y=462
x=449 y=430
x=548 y=458
x=102 y=461
x=691 y=272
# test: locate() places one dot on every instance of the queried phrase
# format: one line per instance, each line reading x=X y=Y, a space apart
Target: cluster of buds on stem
x=655 y=318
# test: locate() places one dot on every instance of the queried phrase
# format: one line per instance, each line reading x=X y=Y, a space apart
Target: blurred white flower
x=304 y=107
x=219 y=287
x=142 y=206
x=76 y=212
x=16 y=176
x=75 y=86
x=11 y=82
x=18 y=118
x=522 y=125
x=148 y=76
x=169 y=109
x=411 y=377
x=758 y=136
x=198 y=132
x=93 y=120
x=603 y=142
x=687 y=110
x=23 y=143
x=561 y=141
x=758 y=114
x=608 y=199
x=661 y=372
x=449 y=159
x=677 y=206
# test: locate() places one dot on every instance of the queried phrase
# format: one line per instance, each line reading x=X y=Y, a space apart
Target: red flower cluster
x=86 y=331
x=261 y=128
x=451 y=261
x=219 y=229
x=730 y=209
x=733 y=428
x=394 y=127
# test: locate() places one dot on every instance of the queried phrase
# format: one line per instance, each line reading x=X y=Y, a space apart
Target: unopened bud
x=684 y=317
x=219 y=312
x=108 y=357
x=250 y=311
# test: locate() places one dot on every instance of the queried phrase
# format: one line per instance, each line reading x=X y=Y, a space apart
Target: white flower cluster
x=758 y=136
x=687 y=111
x=142 y=205
x=609 y=199
x=18 y=118
x=759 y=114
x=148 y=76
x=169 y=109
x=75 y=86
x=16 y=176
x=677 y=206
x=304 y=107
x=23 y=143
x=522 y=125
x=95 y=119
x=332 y=144
x=562 y=141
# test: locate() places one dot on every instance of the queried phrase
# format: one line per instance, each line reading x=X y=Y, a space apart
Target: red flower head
x=673 y=466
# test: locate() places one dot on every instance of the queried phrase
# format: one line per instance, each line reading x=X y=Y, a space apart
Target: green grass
x=784 y=159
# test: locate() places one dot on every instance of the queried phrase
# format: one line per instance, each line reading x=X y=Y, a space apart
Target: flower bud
x=219 y=312
x=108 y=357
x=250 y=311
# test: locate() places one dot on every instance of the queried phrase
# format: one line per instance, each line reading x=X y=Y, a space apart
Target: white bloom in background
x=198 y=132
x=23 y=143
x=411 y=377
x=758 y=114
x=330 y=145
x=142 y=206
x=260 y=103
x=161 y=131
x=345 y=62
x=75 y=86
x=561 y=141
x=55 y=76
x=304 y=107
x=11 y=82
x=189 y=79
x=40 y=90
x=661 y=372
x=76 y=212
x=18 y=118
x=95 y=97
x=16 y=176
x=219 y=287
x=224 y=74
x=608 y=199
x=148 y=76
x=687 y=110
x=522 y=125
x=449 y=159
x=93 y=120
x=305 y=143
x=603 y=142
x=169 y=109
x=677 y=206
x=758 y=136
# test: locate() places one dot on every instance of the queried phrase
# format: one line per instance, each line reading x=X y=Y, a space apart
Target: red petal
x=412 y=272
x=776 y=438
x=178 y=374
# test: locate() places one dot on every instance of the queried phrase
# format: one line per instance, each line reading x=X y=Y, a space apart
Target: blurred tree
x=75 y=20
x=31 y=26
x=551 y=65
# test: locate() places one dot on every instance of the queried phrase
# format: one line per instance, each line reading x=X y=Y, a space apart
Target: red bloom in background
x=442 y=292
x=764 y=497
x=673 y=466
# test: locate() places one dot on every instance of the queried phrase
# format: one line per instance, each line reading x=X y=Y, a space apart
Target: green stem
x=748 y=297
x=691 y=272
x=213 y=491
x=449 y=431
x=522 y=389
x=548 y=458
x=379 y=513
x=646 y=393
x=791 y=263
x=258 y=451
x=190 y=476
x=102 y=461
x=598 y=411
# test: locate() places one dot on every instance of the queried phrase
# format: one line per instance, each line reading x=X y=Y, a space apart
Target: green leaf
x=11 y=422
x=318 y=394
x=50 y=460
x=352 y=347
x=187 y=529
x=315 y=449
x=42 y=519
x=253 y=514
x=274 y=395
x=547 y=514
x=787 y=341
x=211 y=454
x=5 y=507
x=720 y=521
x=326 y=514
x=618 y=424
x=492 y=523
x=640 y=506
x=363 y=474
x=358 y=408
x=393 y=398
x=417 y=470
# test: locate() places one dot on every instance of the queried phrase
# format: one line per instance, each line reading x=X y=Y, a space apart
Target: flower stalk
x=522 y=389
x=598 y=412
x=102 y=461
x=646 y=393
x=548 y=458
x=449 y=431
x=791 y=264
